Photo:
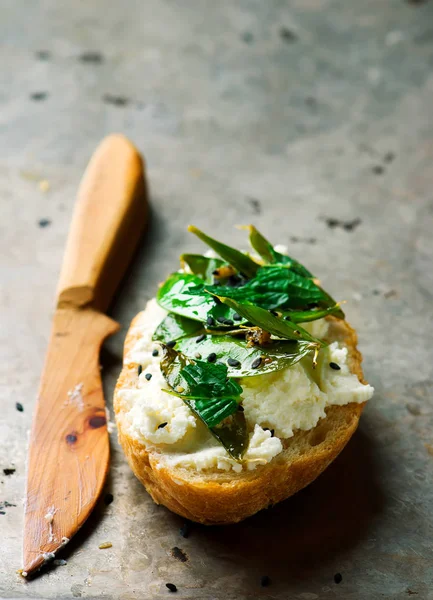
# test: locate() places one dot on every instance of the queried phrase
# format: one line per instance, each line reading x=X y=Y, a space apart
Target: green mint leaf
x=271 y=256
x=243 y=360
x=206 y=390
x=202 y=266
x=240 y=261
x=304 y=316
x=175 y=327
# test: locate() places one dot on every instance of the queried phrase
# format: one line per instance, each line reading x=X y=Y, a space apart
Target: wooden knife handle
x=109 y=217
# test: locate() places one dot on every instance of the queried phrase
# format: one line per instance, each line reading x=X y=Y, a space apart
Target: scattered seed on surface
x=43 y=54
x=115 y=100
x=197 y=355
x=155 y=352
x=185 y=530
x=287 y=318
x=232 y=362
x=179 y=554
x=265 y=580
x=105 y=545
x=334 y=366
x=297 y=332
x=108 y=499
x=171 y=587
x=221 y=319
x=338 y=577
x=19 y=407
x=247 y=37
x=237 y=317
x=91 y=57
x=210 y=321
x=228 y=322
x=180 y=389
x=256 y=362
x=148 y=376
x=9 y=471
x=212 y=357
x=162 y=425
x=171 y=344
x=71 y=438
x=140 y=370
x=378 y=169
x=274 y=312
x=60 y=562
x=287 y=35
x=38 y=96
x=44 y=223
x=200 y=338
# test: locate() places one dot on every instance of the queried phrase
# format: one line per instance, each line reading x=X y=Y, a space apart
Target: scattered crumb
x=255 y=205
x=171 y=587
x=185 y=530
x=338 y=577
x=179 y=554
x=105 y=545
x=44 y=223
x=38 y=96
x=390 y=294
x=44 y=185
x=19 y=407
x=108 y=499
x=91 y=57
x=9 y=471
x=115 y=100
x=287 y=35
x=75 y=396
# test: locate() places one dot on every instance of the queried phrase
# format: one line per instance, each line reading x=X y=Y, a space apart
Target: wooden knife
x=69 y=445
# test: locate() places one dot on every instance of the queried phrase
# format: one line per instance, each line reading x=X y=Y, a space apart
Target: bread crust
x=223 y=498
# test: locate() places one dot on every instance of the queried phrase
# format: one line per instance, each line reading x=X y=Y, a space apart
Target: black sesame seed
x=148 y=376
x=265 y=580
x=338 y=577
x=171 y=344
x=185 y=530
x=228 y=322
x=216 y=272
x=19 y=407
x=287 y=318
x=212 y=357
x=232 y=362
x=221 y=319
x=200 y=338
x=140 y=369
x=162 y=425
x=271 y=430
x=237 y=317
x=210 y=321
x=155 y=352
x=108 y=499
x=256 y=362
x=274 y=312
x=171 y=587
x=334 y=366
x=8 y=471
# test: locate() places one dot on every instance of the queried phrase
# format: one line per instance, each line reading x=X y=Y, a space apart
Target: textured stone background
x=284 y=114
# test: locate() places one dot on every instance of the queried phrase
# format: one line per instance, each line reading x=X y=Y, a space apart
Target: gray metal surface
x=284 y=114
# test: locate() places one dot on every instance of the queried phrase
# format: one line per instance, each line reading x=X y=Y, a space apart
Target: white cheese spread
x=285 y=401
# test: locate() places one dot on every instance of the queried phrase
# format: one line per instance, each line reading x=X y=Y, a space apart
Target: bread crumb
x=105 y=545
x=44 y=185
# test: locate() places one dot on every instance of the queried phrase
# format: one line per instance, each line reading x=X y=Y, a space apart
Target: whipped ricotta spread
x=285 y=401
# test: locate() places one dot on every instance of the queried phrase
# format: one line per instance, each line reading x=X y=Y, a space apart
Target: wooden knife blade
x=69 y=444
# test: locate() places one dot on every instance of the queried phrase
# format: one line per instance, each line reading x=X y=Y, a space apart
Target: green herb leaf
x=275 y=356
x=175 y=296
x=304 y=316
x=267 y=321
x=175 y=327
x=213 y=398
x=240 y=261
x=274 y=287
x=202 y=266
x=271 y=256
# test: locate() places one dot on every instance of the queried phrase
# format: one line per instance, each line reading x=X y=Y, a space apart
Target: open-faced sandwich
x=241 y=383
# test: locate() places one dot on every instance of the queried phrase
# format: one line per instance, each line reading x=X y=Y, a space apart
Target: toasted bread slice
x=219 y=497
